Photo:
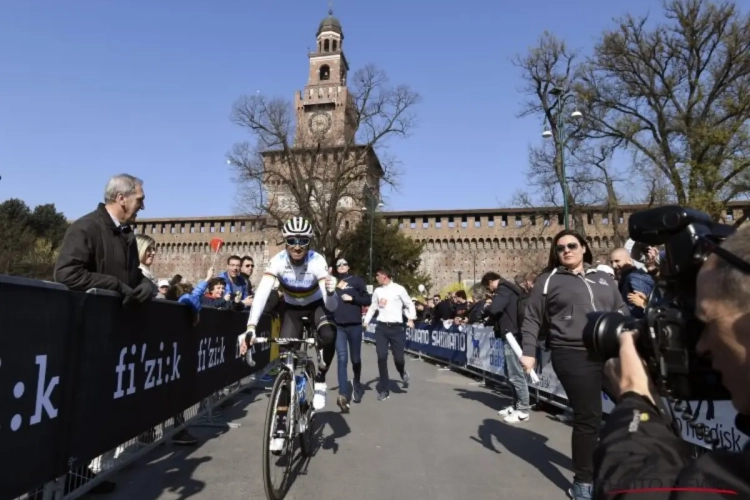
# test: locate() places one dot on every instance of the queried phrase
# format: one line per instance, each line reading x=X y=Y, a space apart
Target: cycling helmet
x=297 y=226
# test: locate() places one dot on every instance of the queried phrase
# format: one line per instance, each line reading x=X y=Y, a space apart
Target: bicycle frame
x=288 y=358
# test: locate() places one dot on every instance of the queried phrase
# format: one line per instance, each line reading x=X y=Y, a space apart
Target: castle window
x=335 y=45
x=326 y=45
x=325 y=72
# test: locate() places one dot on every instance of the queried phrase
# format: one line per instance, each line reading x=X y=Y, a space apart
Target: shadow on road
x=339 y=428
x=528 y=446
x=520 y=441
x=170 y=467
x=494 y=400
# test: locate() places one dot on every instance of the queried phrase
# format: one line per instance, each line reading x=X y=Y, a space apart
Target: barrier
x=476 y=349
x=80 y=375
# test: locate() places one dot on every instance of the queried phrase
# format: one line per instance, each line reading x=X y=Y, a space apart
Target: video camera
x=669 y=331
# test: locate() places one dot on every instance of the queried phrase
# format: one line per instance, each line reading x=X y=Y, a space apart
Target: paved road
x=440 y=439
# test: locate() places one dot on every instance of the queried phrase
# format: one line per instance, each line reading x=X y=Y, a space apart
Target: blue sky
x=90 y=88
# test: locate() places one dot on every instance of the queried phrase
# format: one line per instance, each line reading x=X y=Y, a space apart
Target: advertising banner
x=448 y=345
x=86 y=373
x=485 y=352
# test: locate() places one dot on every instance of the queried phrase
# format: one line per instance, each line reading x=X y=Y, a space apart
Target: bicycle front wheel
x=307 y=437
x=278 y=437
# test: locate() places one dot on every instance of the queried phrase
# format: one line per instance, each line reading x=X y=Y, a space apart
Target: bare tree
x=678 y=95
x=588 y=172
x=325 y=180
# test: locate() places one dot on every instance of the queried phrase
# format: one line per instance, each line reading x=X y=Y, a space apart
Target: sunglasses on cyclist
x=298 y=241
x=569 y=246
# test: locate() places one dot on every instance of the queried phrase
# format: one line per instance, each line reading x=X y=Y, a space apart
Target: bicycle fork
x=285 y=414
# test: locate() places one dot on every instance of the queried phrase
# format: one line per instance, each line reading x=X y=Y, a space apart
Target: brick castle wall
x=472 y=242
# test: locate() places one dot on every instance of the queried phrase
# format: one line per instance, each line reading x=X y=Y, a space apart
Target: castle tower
x=325 y=132
x=325 y=110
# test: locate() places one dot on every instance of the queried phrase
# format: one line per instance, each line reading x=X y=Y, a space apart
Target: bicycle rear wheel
x=283 y=458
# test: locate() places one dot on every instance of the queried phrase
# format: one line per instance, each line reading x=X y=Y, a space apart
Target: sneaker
x=319 y=399
x=276 y=445
x=516 y=416
x=382 y=396
x=343 y=403
x=357 y=391
x=279 y=436
x=405 y=378
x=183 y=437
x=580 y=491
x=506 y=411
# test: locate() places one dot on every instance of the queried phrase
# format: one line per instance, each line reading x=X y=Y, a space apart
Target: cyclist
x=309 y=291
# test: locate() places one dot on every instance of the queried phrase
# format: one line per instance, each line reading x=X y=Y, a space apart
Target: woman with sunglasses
x=569 y=289
x=309 y=291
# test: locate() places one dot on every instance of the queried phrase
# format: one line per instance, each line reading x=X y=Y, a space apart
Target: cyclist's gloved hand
x=244 y=341
x=330 y=282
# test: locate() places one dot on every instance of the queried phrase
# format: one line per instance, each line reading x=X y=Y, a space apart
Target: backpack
x=521 y=299
x=521 y=308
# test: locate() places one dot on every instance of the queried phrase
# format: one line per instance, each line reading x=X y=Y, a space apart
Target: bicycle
x=298 y=417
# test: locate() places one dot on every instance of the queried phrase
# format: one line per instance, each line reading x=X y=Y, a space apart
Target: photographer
x=639 y=452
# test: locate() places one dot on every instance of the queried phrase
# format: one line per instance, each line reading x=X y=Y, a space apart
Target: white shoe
x=516 y=416
x=319 y=399
x=276 y=445
x=506 y=411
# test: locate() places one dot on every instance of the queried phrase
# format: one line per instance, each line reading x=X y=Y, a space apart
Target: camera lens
x=602 y=331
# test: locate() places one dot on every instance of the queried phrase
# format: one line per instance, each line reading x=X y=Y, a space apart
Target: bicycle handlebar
x=265 y=340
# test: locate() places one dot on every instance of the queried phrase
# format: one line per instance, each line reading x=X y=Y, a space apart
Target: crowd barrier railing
x=87 y=384
x=475 y=349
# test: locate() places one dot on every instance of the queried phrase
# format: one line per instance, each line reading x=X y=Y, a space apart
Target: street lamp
x=562 y=137
x=372 y=204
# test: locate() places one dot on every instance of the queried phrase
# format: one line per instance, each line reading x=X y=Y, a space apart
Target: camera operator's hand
x=628 y=373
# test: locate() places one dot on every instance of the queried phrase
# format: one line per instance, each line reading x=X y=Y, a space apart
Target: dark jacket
x=443 y=310
x=635 y=280
x=639 y=451
x=560 y=303
x=350 y=313
x=95 y=253
x=503 y=310
x=477 y=312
